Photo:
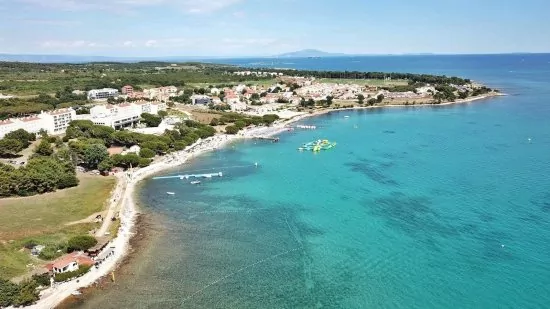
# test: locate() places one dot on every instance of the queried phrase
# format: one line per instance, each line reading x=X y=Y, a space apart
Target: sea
x=415 y=207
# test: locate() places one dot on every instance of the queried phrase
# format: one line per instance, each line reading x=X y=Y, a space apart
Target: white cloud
x=189 y=6
x=151 y=43
x=128 y=44
x=77 y=44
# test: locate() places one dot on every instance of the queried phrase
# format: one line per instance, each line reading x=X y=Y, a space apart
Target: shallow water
x=417 y=207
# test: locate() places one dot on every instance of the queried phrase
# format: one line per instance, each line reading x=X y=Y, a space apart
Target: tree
x=360 y=98
x=329 y=100
x=151 y=120
x=106 y=165
x=146 y=153
x=380 y=98
x=81 y=243
x=371 y=101
x=94 y=154
x=163 y=114
x=44 y=148
x=10 y=147
x=22 y=136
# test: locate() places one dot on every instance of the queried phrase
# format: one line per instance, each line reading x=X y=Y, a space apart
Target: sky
x=228 y=28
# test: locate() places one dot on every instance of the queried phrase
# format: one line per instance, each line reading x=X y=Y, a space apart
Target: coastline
x=129 y=213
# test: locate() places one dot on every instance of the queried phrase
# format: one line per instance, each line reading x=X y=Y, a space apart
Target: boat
x=195 y=182
x=170 y=193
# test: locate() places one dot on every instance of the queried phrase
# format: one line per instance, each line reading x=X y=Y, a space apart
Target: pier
x=187 y=176
x=272 y=139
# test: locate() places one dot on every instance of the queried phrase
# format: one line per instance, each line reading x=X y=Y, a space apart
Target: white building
x=5 y=96
x=121 y=115
x=7 y=126
x=54 y=122
x=215 y=91
x=57 y=121
x=105 y=93
x=157 y=106
x=115 y=116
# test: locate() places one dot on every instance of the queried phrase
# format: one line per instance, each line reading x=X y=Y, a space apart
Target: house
x=128 y=90
x=215 y=91
x=232 y=98
x=70 y=262
x=200 y=99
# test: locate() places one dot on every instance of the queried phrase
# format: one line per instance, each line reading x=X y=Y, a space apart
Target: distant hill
x=309 y=53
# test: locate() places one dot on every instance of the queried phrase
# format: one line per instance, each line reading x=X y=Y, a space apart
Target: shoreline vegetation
x=293 y=96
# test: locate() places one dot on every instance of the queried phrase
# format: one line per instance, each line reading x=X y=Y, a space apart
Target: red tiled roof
x=77 y=257
x=29 y=119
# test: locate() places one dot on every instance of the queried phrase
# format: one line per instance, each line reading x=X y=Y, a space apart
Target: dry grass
x=48 y=213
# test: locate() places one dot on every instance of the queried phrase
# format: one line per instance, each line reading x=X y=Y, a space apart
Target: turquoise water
x=424 y=207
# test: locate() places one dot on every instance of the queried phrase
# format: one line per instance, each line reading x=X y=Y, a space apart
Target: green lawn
x=43 y=219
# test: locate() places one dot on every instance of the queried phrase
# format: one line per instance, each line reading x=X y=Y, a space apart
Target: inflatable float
x=317 y=145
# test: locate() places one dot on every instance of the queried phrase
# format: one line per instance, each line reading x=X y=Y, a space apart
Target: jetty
x=187 y=176
x=272 y=139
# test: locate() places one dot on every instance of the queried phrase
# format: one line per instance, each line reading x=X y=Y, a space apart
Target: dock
x=187 y=176
x=272 y=139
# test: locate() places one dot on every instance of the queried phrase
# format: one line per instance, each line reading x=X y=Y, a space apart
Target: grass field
x=43 y=219
x=369 y=82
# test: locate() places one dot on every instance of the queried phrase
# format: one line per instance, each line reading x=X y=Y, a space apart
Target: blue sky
x=264 y=27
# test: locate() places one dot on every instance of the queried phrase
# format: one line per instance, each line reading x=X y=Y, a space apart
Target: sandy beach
x=124 y=194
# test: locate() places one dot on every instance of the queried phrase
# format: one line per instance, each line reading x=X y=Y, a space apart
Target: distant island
x=310 y=53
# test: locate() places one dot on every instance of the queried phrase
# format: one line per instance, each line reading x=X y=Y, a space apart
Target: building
x=5 y=97
x=115 y=116
x=128 y=90
x=57 y=121
x=200 y=99
x=122 y=115
x=70 y=262
x=231 y=98
x=7 y=126
x=105 y=93
x=54 y=122
x=157 y=106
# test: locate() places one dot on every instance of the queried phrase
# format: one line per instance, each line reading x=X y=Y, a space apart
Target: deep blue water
x=418 y=207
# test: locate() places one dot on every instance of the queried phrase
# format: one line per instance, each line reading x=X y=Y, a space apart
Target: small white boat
x=170 y=193
x=196 y=182
x=346 y=116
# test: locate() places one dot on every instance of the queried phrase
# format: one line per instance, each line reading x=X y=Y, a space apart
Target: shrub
x=43 y=279
x=146 y=153
x=82 y=269
x=81 y=243
x=231 y=129
x=51 y=252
